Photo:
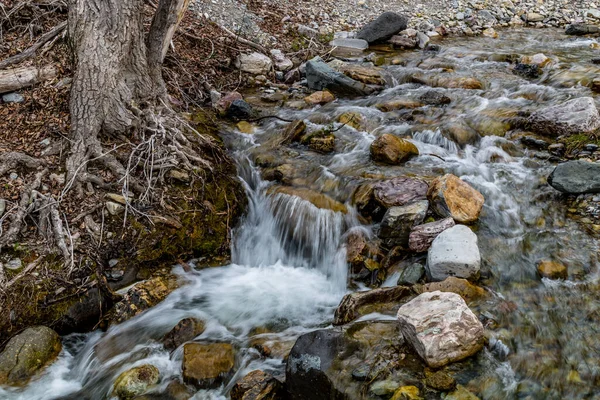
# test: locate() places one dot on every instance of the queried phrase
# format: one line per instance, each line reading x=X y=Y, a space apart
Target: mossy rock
x=136 y=381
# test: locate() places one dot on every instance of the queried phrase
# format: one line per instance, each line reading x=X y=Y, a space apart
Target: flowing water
x=288 y=270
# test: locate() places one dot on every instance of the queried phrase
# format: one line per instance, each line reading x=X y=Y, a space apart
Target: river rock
x=461 y=393
x=223 y=104
x=257 y=385
x=454 y=253
x=293 y=132
x=362 y=73
x=450 y=196
x=460 y=133
x=576 y=177
x=403 y=42
x=353 y=119
x=282 y=63
x=254 y=63
x=411 y=274
x=27 y=353
x=383 y=28
x=422 y=236
x=321 y=76
x=534 y=17
x=441 y=328
x=399 y=104
x=572 y=117
x=581 y=29
x=320 y=97
x=527 y=71
x=435 y=97
x=400 y=191
x=240 y=110
x=356 y=304
x=461 y=287
x=351 y=44
x=552 y=270
x=538 y=59
x=390 y=149
x=362 y=253
x=398 y=221
x=206 y=365
x=12 y=98
x=187 y=329
x=136 y=381
x=447 y=81
x=317 y=199
x=440 y=380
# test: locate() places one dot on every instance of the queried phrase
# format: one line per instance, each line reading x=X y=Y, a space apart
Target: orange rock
x=391 y=149
x=206 y=364
x=450 y=196
x=462 y=287
x=552 y=270
x=399 y=104
x=321 y=97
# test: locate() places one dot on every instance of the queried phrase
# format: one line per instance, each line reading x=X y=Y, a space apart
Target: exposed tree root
x=13 y=159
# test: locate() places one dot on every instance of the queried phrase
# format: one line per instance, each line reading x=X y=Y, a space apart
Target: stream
x=289 y=269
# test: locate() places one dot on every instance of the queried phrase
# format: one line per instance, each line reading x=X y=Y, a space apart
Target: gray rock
x=435 y=97
x=353 y=305
x=441 y=328
x=14 y=264
x=240 y=110
x=454 y=252
x=581 y=29
x=254 y=63
x=411 y=274
x=487 y=17
x=423 y=40
x=12 y=98
x=572 y=117
x=398 y=221
x=460 y=16
x=282 y=63
x=13 y=176
x=353 y=44
x=114 y=208
x=2 y=207
x=321 y=76
x=534 y=17
x=576 y=177
x=593 y=13
x=308 y=31
x=383 y=28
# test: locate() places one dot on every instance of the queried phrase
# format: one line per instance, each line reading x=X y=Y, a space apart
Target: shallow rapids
x=289 y=271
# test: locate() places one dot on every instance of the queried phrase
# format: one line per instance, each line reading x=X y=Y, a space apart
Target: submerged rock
x=454 y=253
x=462 y=287
x=552 y=270
x=422 y=236
x=136 y=381
x=257 y=385
x=27 y=353
x=187 y=329
x=398 y=222
x=321 y=76
x=206 y=365
x=384 y=27
x=450 y=196
x=390 y=149
x=441 y=328
x=356 y=304
x=572 y=117
x=576 y=177
x=317 y=199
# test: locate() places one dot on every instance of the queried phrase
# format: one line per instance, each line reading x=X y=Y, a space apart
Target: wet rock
x=398 y=221
x=399 y=104
x=282 y=63
x=206 y=365
x=454 y=253
x=490 y=32
x=136 y=381
x=441 y=328
x=364 y=74
x=321 y=76
x=317 y=199
x=353 y=119
x=582 y=29
x=572 y=117
x=461 y=393
x=187 y=329
x=272 y=346
x=399 y=191
x=450 y=196
x=27 y=353
x=356 y=304
x=320 y=97
x=223 y=104
x=321 y=141
x=422 y=236
x=576 y=177
x=527 y=71
x=407 y=393
x=552 y=270
x=460 y=133
x=254 y=63
x=361 y=253
x=385 y=388
x=461 y=287
x=351 y=44
x=143 y=296
x=448 y=81
x=422 y=40
x=257 y=385
x=384 y=27
x=403 y=42
x=435 y=98
x=440 y=380
x=538 y=59
x=293 y=131
x=390 y=149
x=411 y=274
x=240 y=110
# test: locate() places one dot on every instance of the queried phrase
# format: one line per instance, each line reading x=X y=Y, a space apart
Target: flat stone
x=399 y=191
x=441 y=328
x=454 y=253
x=461 y=287
x=411 y=274
x=575 y=177
x=354 y=44
x=320 y=97
x=187 y=329
x=257 y=385
x=534 y=17
x=398 y=221
x=321 y=76
x=582 y=29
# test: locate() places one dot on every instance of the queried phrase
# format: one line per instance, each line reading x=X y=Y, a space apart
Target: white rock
x=593 y=13
x=114 y=208
x=282 y=63
x=423 y=39
x=454 y=252
x=572 y=117
x=441 y=328
x=355 y=44
x=255 y=63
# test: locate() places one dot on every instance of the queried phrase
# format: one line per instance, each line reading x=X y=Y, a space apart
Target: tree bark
x=19 y=78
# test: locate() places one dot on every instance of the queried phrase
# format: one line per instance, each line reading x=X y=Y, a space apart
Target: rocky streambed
x=403 y=241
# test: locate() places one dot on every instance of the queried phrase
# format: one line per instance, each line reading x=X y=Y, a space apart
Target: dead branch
x=30 y=52
x=19 y=78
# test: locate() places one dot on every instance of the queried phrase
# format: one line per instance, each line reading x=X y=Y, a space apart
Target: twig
x=269 y=116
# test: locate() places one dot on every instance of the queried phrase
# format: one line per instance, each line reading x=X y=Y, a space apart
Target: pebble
x=13 y=176
x=12 y=98
x=14 y=264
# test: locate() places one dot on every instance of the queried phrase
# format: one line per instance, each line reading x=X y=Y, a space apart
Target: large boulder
x=576 y=177
x=398 y=221
x=422 y=236
x=450 y=196
x=454 y=253
x=383 y=28
x=400 y=191
x=572 y=117
x=258 y=385
x=27 y=353
x=356 y=304
x=136 y=381
x=321 y=76
x=207 y=365
x=254 y=63
x=441 y=328
x=390 y=149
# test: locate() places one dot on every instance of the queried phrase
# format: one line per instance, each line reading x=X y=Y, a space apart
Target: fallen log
x=19 y=78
